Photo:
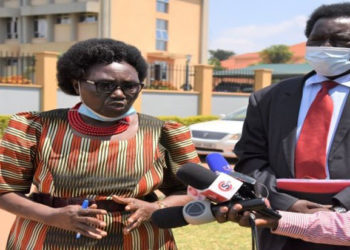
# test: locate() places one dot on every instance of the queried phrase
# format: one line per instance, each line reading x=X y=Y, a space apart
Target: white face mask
x=328 y=61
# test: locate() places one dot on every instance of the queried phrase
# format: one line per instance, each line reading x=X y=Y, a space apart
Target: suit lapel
x=343 y=128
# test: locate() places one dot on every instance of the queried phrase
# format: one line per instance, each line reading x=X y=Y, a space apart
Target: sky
x=246 y=26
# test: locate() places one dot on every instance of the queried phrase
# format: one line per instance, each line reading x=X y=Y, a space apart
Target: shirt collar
x=316 y=78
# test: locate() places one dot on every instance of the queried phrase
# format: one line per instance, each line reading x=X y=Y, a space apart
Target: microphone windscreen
x=196 y=176
x=217 y=163
x=169 y=217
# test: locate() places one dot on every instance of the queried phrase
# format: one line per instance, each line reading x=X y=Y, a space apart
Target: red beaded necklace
x=77 y=123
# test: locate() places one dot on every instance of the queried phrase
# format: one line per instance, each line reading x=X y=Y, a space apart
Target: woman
x=100 y=150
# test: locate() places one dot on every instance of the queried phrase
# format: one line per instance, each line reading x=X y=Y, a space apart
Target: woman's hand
x=83 y=221
x=142 y=211
x=308 y=207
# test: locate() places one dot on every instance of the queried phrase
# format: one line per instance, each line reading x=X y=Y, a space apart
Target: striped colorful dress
x=43 y=149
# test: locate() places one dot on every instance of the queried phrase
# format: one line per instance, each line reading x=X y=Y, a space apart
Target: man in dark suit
x=276 y=141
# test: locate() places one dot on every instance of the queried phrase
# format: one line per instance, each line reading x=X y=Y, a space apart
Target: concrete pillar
x=3 y=35
x=263 y=78
x=203 y=50
x=50 y=28
x=27 y=29
x=203 y=83
x=104 y=19
x=45 y=75
x=74 y=26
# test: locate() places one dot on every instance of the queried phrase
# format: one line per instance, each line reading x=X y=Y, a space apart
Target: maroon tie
x=310 y=153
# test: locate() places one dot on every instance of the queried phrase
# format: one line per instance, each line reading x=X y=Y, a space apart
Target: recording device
x=222 y=187
x=197 y=212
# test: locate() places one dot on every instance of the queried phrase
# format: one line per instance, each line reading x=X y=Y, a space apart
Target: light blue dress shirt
x=339 y=96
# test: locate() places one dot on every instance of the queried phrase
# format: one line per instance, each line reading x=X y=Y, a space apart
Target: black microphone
x=215 y=186
x=197 y=212
x=169 y=217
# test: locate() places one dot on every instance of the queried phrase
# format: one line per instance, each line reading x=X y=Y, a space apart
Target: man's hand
x=308 y=207
x=237 y=215
x=83 y=221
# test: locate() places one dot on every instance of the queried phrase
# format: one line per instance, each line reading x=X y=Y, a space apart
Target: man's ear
x=76 y=86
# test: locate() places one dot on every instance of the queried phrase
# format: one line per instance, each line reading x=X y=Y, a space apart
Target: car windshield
x=238 y=115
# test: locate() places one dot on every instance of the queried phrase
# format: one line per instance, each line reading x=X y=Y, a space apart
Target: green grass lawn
x=213 y=236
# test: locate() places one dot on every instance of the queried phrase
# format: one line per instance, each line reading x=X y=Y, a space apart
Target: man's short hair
x=327 y=11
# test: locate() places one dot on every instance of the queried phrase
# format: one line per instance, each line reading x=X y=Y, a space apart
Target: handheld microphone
x=196 y=213
x=212 y=186
x=218 y=188
x=218 y=164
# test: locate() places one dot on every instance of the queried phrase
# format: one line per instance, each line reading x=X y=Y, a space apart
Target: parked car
x=219 y=135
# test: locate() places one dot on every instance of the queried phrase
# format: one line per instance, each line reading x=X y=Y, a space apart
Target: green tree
x=218 y=55
x=216 y=63
x=276 y=54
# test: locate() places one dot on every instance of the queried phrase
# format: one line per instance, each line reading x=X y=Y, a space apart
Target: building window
x=162 y=34
x=88 y=18
x=63 y=19
x=162 y=6
x=11 y=26
x=11 y=61
x=160 y=71
x=40 y=27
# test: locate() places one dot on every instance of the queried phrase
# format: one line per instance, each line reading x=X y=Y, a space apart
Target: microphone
x=169 y=217
x=196 y=212
x=222 y=187
x=218 y=188
x=218 y=164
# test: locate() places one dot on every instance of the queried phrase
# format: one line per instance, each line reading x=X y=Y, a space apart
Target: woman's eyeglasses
x=107 y=87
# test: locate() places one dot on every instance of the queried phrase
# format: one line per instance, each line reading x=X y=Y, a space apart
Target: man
x=320 y=227
x=299 y=128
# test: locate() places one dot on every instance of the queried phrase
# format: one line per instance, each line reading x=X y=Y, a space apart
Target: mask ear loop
x=261 y=190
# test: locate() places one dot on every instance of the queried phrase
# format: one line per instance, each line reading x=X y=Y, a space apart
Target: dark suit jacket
x=266 y=152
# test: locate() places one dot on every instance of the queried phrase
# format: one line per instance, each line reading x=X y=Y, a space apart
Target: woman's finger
x=122 y=200
x=90 y=231
x=91 y=221
x=91 y=212
x=131 y=226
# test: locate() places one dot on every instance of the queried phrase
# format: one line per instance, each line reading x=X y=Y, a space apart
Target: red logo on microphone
x=225 y=186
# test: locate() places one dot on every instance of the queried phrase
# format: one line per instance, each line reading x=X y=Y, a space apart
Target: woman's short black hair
x=77 y=60
x=327 y=11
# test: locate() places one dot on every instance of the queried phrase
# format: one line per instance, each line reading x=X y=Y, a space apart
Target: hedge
x=4 y=119
x=190 y=119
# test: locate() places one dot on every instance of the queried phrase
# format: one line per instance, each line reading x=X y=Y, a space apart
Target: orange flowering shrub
x=16 y=79
x=161 y=85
